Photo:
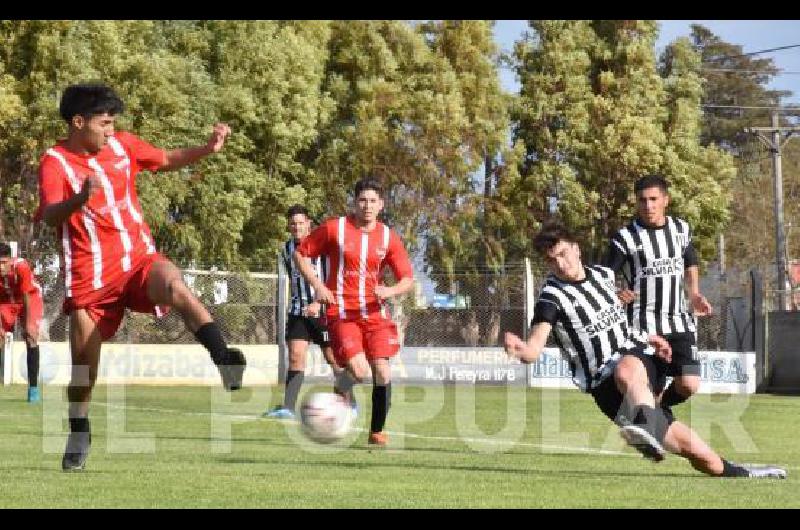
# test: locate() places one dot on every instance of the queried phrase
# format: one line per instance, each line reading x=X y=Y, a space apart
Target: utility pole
x=775 y=140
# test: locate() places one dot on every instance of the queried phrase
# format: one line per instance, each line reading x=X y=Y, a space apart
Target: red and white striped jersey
x=356 y=259
x=105 y=238
x=19 y=280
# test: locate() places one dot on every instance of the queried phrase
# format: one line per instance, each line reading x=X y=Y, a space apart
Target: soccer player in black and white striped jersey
x=610 y=360
x=306 y=322
x=658 y=253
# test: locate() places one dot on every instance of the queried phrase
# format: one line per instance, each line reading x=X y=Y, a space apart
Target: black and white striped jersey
x=302 y=291
x=590 y=324
x=656 y=259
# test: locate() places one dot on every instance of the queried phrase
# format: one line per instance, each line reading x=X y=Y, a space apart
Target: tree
x=731 y=78
x=596 y=114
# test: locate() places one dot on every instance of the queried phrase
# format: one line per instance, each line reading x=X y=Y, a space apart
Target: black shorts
x=684 y=356
x=609 y=398
x=307 y=329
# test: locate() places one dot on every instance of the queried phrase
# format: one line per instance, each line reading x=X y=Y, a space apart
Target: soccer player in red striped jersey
x=364 y=338
x=87 y=191
x=20 y=294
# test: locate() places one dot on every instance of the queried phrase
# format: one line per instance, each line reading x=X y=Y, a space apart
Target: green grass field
x=451 y=447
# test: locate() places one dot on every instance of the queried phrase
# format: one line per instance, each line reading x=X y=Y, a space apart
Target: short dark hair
x=5 y=250
x=368 y=183
x=296 y=209
x=89 y=99
x=651 y=181
x=550 y=234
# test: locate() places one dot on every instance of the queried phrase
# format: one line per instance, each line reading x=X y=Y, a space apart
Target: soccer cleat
x=378 y=438
x=231 y=368
x=34 y=396
x=280 y=413
x=77 y=451
x=643 y=441
x=354 y=410
x=755 y=471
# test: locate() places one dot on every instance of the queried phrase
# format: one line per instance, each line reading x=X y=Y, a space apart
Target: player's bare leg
x=31 y=336
x=85 y=344
x=682 y=388
x=682 y=440
x=298 y=350
x=644 y=425
x=342 y=380
x=165 y=286
x=381 y=399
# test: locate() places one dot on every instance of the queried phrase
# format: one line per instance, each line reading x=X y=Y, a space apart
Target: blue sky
x=752 y=35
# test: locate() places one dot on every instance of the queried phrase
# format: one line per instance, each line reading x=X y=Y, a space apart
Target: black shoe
x=754 y=471
x=77 y=451
x=643 y=441
x=231 y=368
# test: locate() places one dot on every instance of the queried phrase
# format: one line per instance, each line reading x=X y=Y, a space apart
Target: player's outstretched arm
x=178 y=158
x=530 y=351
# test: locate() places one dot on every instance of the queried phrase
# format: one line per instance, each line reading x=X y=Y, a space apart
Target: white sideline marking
x=395 y=433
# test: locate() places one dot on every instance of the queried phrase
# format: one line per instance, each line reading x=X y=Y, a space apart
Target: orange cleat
x=378 y=438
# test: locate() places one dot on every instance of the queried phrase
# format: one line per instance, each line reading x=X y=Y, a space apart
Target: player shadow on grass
x=577 y=473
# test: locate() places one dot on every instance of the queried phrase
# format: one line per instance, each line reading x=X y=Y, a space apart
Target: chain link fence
x=243 y=303
x=462 y=309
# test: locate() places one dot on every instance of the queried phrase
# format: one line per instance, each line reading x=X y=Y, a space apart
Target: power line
x=752 y=53
x=777 y=72
x=786 y=109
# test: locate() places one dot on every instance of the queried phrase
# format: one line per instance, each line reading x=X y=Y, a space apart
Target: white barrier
x=146 y=364
x=720 y=372
x=6 y=358
x=189 y=364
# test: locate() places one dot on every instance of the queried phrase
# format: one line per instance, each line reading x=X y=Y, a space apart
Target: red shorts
x=106 y=306
x=376 y=337
x=9 y=313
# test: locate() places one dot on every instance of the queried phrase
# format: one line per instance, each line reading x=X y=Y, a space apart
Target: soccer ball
x=325 y=417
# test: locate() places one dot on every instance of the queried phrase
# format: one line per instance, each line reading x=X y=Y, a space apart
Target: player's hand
x=312 y=310
x=626 y=296
x=383 y=292
x=513 y=344
x=90 y=184
x=663 y=349
x=701 y=306
x=324 y=295
x=218 y=136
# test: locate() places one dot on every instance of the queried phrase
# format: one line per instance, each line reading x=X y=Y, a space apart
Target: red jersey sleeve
x=147 y=156
x=25 y=277
x=51 y=184
x=316 y=243
x=397 y=258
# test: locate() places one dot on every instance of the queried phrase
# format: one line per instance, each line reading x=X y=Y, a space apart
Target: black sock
x=672 y=397
x=653 y=420
x=729 y=469
x=343 y=384
x=380 y=407
x=33 y=365
x=210 y=336
x=79 y=425
x=294 y=380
